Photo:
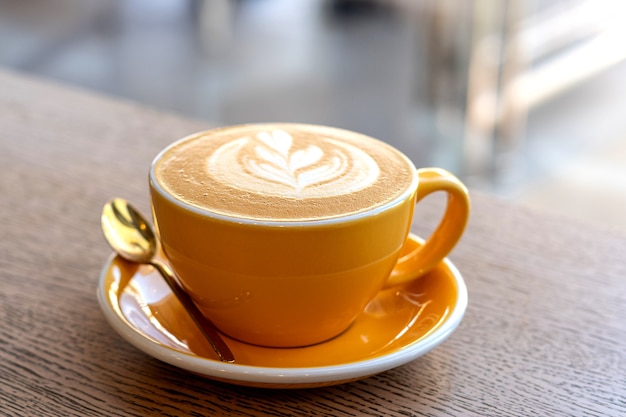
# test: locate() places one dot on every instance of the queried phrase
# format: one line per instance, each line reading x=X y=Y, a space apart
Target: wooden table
x=544 y=333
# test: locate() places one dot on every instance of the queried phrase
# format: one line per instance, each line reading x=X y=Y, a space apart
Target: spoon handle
x=207 y=328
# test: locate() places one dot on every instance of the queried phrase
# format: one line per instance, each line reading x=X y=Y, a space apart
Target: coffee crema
x=283 y=172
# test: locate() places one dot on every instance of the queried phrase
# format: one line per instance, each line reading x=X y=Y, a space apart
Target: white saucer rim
x=285 y=376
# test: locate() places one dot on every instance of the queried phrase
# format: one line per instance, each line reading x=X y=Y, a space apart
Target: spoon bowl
x=127 y=232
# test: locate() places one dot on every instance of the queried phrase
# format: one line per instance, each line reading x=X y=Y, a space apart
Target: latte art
x=272 y=162
x=283 y=172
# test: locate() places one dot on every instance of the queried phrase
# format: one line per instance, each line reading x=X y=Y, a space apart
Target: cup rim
x=154 y=183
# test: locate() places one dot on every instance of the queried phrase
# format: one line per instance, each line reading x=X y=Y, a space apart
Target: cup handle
x=423 y=258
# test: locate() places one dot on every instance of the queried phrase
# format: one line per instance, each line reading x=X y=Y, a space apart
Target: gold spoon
x=131 y=236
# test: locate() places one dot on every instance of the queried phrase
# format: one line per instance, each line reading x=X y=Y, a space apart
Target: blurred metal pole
x=494 y=120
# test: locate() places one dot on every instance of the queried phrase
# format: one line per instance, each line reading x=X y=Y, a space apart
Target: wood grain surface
x=544 y=334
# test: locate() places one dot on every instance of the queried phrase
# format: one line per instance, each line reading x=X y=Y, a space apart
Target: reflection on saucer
x=399 y=325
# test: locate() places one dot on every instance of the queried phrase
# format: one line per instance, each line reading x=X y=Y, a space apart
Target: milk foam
x=283 y=172
x=272 y=163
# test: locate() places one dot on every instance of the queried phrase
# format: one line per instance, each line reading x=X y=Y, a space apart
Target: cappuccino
x=263 y=224
x=283 y=172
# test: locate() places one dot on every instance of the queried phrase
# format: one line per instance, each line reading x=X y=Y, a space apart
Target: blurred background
x=521 y=99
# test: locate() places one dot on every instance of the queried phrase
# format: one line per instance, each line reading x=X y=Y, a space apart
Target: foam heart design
x=275 y=161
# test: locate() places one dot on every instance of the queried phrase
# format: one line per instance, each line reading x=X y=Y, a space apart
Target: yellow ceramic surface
x=286 y=284
x=397 y=326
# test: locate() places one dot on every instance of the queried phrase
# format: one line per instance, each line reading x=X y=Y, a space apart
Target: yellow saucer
x=399 y=325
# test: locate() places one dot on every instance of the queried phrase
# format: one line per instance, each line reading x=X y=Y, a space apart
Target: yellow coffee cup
x=282 y=233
